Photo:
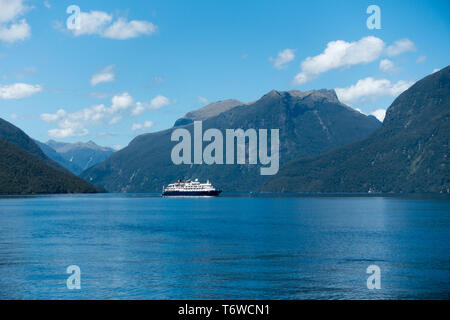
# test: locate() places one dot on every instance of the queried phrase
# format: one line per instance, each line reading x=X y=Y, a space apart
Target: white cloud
x=105 y=75
x=121 y=29
x=399 y=47
x=102 y=24
x=75 y=124
x=203 y=100
x=12 y=29
x=11 y=9
x=67 y=132
x=15 y=32
x=93 y=22
x=436 y=70
x=283 y=58
x=156 y=103
x=121 y=102
x=19 y=90
x=115 y=120
x=47 y=4
x=138 y=126
x=380 y=114
x=386 y=65
x=340 y=54
x=159 y=102
x=138 y=109
x=369 y=89
x=421 y=59
x=49 y=117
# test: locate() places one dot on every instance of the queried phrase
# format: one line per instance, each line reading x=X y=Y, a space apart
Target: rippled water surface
x=147 y=247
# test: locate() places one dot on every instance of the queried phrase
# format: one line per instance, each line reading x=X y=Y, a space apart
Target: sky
x=123 y=68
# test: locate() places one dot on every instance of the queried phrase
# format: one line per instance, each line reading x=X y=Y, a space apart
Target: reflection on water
x=147 y=247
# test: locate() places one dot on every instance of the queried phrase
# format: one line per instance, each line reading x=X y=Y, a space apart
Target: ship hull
x=213 y=193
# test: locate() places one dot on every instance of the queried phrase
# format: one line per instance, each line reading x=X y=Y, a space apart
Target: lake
x=136 y=246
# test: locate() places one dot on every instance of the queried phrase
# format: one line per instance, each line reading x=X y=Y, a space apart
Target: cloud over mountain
x=370 y=88
x=339 y=54
x=380 y=114
x=74 y=124
x=138 y=126
x=156 y=103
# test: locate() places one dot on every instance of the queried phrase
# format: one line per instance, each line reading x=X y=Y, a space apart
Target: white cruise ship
x=190 y=188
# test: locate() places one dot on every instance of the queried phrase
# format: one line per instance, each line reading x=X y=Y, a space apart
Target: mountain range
x=408 y=154
x=325 y=147
x=76 y=157
x=310 y=123
x=25 y=169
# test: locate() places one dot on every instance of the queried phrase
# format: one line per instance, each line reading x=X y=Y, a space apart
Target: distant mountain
x=55 y=156
x=408 y=154
x=76 y=157
x=208 y=111
x=310 y=123
x=25 y=169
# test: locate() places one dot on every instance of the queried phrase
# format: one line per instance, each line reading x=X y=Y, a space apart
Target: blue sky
x=137 y=66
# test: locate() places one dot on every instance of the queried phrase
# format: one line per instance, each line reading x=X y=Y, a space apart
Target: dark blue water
x=146 y=247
